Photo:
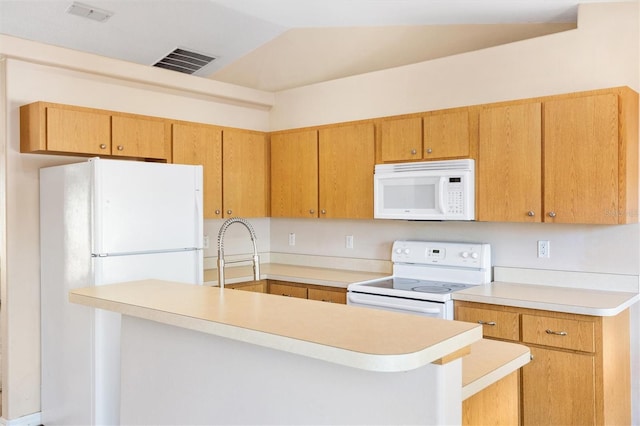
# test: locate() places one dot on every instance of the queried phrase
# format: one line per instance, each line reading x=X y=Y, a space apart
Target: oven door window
x=398 y=304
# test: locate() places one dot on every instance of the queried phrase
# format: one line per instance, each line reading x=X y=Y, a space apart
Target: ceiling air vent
x=185 y=61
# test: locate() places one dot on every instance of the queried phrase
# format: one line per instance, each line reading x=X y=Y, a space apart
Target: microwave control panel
x=455 y=195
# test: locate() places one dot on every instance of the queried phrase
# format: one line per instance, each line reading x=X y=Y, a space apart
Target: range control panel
x=456 y=254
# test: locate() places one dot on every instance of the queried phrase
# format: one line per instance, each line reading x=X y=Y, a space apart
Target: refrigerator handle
x=199 y=209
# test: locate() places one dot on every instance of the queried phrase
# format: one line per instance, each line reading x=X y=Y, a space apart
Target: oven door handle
x=355 y=299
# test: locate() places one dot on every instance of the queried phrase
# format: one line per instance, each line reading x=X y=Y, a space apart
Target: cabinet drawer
x=498 y=324
x=559 y=332
x=288 y=290
x=328 y=295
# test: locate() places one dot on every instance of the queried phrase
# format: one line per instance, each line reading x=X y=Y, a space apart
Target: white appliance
x=102 y=222
x=429 y=190
x=425 y=274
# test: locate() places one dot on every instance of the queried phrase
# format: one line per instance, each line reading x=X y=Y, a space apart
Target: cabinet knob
x=552 y=214
x=229 y=211
x=323 y=211
x=120 y=147
x=531 y=213
x=103 y=146
x=312 y=211
x=414 y=152
x=429 y=150
x=217 y=212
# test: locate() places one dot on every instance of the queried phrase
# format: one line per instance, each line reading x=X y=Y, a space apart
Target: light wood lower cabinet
x=308 y=291
x=580 y=368
x=255 y=286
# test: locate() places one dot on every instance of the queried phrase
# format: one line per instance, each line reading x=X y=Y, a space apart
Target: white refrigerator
x=105 y=221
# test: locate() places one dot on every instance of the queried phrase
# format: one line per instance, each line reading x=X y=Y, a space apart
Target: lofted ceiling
x=275 y=45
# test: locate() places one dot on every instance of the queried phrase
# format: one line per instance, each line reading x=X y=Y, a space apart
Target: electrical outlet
x=205 y=242
x=544 y=248
x=348 y=241
x=292 y=239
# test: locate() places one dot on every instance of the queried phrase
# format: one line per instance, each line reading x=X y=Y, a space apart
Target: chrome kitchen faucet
x=221 y=262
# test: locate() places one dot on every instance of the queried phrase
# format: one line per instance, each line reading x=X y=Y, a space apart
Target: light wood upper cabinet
x=245 y=157
x=438 y=135
x=565 y=159
x=64 y=129
x=140 y=137
x=509 y=166
x=401 y=139
x=581 y=159
x=346 y=157
x=446 y=135
x=77 y=131
x=202 y=145
x=294 y=174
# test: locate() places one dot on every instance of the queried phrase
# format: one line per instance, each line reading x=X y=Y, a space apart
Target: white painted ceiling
x=275 y=45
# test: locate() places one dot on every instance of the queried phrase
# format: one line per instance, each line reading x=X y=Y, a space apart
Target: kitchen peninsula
x=199 y=354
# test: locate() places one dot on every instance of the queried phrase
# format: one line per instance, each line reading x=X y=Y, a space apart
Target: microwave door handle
x=441 y=194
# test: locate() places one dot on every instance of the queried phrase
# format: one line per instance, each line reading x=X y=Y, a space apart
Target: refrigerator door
x=185 y=266
x=141 y=207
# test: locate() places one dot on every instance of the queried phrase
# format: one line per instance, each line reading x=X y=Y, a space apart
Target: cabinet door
x=288 y=290
x=558 y=388
x=294 y=174
x=509 y=167
x=200 y=144
x=245 y=174
x=138 y=137
x=581 y=160
x=446 y=135
x=327 y=295
x=346 y=158
x=80 y=132
x=401 y=139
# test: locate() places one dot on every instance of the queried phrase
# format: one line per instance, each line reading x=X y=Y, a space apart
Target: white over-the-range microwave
x=429 y=190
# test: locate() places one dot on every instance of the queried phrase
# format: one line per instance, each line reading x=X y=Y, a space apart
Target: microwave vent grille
x=425 y=165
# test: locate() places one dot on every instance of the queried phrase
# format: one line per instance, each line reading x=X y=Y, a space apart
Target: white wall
x=28 y=82
x=603 y=52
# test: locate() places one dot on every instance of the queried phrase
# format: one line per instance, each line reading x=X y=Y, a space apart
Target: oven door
x=443 y=310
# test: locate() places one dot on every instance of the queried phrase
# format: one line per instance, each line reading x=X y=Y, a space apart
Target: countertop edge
x=341 y=356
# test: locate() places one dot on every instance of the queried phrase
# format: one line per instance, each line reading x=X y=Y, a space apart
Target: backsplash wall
x=586 y=248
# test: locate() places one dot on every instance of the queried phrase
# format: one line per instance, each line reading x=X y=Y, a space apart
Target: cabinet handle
x=552 y=214
x=429 y=151
x=557 y=333
x=323 y=211
x=285 y=295
x=120 y=147
x=531 y=213
x=491 y=323
x=312 y=211
x=327 y=300
x=414 y=152
x=217 y=211
x=229 y=211
x=103 y=146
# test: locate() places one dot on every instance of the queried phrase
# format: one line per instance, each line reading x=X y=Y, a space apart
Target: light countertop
x=550 y=298
x=362 y=338
x=301 y=274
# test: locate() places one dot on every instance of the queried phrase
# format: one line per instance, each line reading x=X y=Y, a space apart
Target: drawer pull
x=491 y=323
x=557 y=333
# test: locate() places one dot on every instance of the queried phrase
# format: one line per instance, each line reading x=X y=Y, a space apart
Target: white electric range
x=425 y=274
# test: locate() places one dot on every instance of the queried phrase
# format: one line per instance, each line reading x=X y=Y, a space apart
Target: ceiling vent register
x=184 y=61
